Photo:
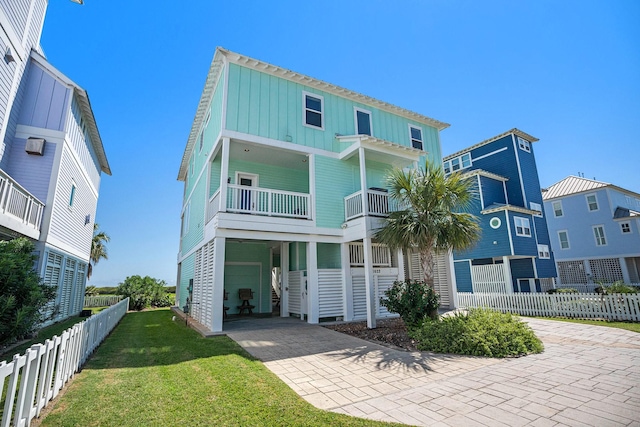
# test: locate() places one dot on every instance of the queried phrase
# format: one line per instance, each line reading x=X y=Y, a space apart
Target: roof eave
x=514 y=131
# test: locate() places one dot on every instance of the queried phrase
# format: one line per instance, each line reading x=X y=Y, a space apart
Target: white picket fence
x=36 y=377
x=586 y=306
x=101 y=300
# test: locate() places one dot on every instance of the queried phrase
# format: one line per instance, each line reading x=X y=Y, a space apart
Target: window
x=415 y=133
x=192 y=162
x=72 y=196
x=625 y=227
x=524 y=145
x=592 y=202
x=598 y=232
x=457 y=163
x=185 y=219
x=557 y=209
x=313 y=110
x=363 y=121
x=563 y=237
x=543 y=252
x=495 y=222
x=536 y=207
x=201 y=141
x=522 y=226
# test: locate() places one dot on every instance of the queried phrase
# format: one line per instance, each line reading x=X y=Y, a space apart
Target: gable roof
x=85 y=106
x=576 y=184
x=514 y=131
x=223 y=55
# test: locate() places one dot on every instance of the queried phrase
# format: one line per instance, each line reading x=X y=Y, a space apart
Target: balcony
x=378 y=204
x=19 y=210
x=261 y=201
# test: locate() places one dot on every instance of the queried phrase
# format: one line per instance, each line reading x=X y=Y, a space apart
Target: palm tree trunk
x=426 y=259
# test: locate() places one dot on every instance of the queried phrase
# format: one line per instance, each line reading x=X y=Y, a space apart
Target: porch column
x=400 y=261
x=453 y=285
x=369 y=283
x=625 y=270
x=346 y=280
x=224 y=174
x=312 y=186
x=506 y=265
x=284 y=288
x=363 y=182
x=219 y=244
x=313 y=293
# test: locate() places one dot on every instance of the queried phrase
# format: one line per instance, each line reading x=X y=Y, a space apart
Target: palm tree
x=432 y=215
x=98 y=248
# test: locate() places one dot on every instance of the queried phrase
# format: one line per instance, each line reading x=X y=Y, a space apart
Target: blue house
x=513 y=254
x=51 y=157
x=595 y=232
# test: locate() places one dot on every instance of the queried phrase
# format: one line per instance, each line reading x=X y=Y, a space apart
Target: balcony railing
x=378 y=204
x=19 y=203
x=262 y=201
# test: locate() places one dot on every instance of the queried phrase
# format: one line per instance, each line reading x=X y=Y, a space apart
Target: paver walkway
x=587 y=376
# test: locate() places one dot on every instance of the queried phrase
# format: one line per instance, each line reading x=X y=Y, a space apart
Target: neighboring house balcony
x=20 y=211
x=376 y=203
x=261 y=201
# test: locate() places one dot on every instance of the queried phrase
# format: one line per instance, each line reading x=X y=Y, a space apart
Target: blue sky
x=566 y=72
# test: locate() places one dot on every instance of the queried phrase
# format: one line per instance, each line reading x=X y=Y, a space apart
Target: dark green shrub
x=23 y=296
x=412 y=300
x=144 y=292
x=480 y=332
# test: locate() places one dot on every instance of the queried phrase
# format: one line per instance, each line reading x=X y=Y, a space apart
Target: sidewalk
x=588 y=375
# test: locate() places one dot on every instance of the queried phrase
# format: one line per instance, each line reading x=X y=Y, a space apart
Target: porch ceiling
x=268 y=155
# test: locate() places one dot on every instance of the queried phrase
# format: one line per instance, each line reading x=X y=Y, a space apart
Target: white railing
x=265 y=201
x=101 y=300
x=214 y=205
x=36 y=377
x=588 y=306
x=378 y=204
x=381 y=255
x=18 y=202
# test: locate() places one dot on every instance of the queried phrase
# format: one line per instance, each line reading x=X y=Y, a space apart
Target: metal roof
x=572 y=185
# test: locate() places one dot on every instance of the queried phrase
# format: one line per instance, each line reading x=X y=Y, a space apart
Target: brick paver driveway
x=587 y=375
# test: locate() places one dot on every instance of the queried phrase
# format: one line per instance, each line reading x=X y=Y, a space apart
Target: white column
x=313 y=293
x=453 y=284
x=625 y=271
x=347 y=283
x=219 y=244
x=507 y=273
x=224 y=174
x=368 y=278
x=400 y=258
x=363 y=181
x=284 y=290
x=312 y=186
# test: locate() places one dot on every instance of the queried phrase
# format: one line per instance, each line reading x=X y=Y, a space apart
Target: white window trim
x=524 y=145
x=536 y=207
x=516 y=219
x=544 y=249
x=604 y=235
x=252 y=176
x=566 y=232
x=355 y=119
x=628 y=224
x=72 y=194
x=554 y=209
x=459 y=158
x=411 y=139
x=304 y=110
x=586 y=197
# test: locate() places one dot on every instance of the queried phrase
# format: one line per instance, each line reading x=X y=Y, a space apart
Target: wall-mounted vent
x=35 y=146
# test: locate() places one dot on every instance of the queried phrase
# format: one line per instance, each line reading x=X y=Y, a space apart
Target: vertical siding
x=335 y=179
x=272 y=107
x=33 y=172
x=45 y=100
x=68 y=224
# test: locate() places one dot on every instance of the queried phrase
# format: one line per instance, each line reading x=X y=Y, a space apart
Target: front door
x=246 y=199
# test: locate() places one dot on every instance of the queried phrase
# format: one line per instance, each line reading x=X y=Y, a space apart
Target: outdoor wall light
x=8 y=56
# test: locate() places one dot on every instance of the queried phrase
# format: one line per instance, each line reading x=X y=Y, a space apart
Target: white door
x=246 y=199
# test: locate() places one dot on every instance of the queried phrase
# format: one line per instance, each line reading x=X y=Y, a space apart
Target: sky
x=566 y=72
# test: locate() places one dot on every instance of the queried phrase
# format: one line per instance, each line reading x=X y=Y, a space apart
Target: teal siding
x=329 y=255
x=255 y=275
x=196 y=218
x=214 y=176
x=272 y=107
x=186 y=273
x=377 y=174
x=273 y=177
x=463 y=276
x=297 y=256
x=335 y=179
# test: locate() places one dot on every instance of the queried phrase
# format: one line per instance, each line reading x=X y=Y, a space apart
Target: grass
x=629 y=326
x=46 y=333
x=154 y=371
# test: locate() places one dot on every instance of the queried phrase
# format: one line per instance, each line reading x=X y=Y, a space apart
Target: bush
x=563 y=291
x=480 y=332
x=144 y=292
x=23 y=296
x=620 y=287
x=412 y=300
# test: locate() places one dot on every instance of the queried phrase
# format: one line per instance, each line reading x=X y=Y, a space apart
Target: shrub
x=563 y=291
x=480 y=332
x=620 y=287
x=23 y=296
x=144 y=292
x=413 y=300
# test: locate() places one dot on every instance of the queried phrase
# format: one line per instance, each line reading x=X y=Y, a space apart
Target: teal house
x=284 y=187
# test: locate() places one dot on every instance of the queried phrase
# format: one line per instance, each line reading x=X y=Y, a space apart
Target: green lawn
x=152 y=371
x=629 y=326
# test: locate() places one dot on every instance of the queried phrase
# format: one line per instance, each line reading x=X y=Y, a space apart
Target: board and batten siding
x=68 y=223
x=272 y=107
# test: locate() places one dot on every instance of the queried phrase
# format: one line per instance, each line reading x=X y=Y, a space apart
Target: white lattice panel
x=607 y=270
x=571 y=272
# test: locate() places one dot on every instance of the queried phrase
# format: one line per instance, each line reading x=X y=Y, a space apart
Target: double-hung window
x=536 y=207
x=363 y=121
x=522 y=226
x=415 y=133
x=524 y=145
x=557 y=209
x=543 y=252
x=563 y=237
x=592 y=202
x=313 y=110
x=598 y=233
